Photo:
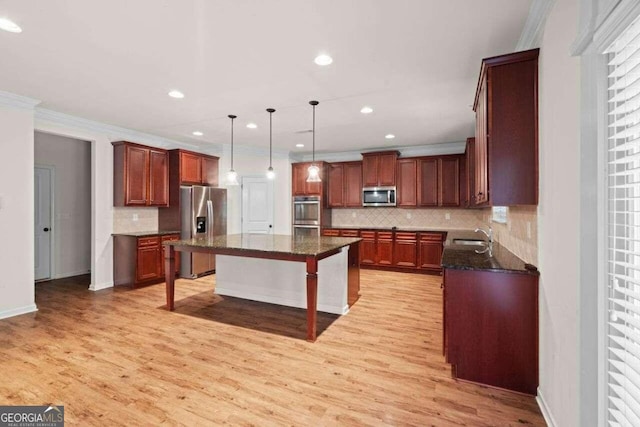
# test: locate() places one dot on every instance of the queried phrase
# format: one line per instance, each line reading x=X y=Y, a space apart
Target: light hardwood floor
x=117 y=357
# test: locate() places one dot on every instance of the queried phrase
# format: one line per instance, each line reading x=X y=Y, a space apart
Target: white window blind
x=623 y=230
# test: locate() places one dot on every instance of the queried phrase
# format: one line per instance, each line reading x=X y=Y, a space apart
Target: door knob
x=270 y=226
x=46 y=229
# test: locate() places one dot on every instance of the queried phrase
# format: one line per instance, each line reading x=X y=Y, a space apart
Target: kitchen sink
x=469 y=242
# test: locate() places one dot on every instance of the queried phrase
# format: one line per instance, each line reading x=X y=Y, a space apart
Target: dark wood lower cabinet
x=384 y=248
x=139 y=261
x=491 y=328
x=405 y=250
x=368 y=248
x=430 y=251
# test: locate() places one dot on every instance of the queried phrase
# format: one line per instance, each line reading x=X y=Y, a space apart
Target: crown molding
x=531 y=35
x=614 y=19
x=11 y=100
x=407 y=151
x=114 y=133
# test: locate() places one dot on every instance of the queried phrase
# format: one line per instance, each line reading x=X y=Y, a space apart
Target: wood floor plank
x=117 y=357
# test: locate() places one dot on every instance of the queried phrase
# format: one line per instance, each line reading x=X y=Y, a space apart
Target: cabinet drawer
x=437 y=237
x=330 y=232
x=349 y=233
x=406 y=236
x=368 y=234
x=148 y=241
x=170 y=237
x=385 y=235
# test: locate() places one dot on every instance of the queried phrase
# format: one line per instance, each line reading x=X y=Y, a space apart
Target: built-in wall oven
x=307 y=215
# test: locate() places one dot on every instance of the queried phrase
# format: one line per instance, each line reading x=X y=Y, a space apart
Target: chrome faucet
x=489 y=235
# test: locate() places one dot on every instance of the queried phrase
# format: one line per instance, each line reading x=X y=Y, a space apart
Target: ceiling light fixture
x=232 y=176
x=366 y=110
x=323 y=60
x=8 y=25
x=270 y=173
x=314 y=170
x=252 y=125
x=176 y=94
x=389 y=136
x=299 y=145
x=197 y=133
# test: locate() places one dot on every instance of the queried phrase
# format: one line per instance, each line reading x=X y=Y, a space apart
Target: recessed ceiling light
x=366 y=110
x=323 y=60
x=389 y=136
x=176 y=94
x=299 y=145
x=197 y=133
x=252 y=125
x=8 y=25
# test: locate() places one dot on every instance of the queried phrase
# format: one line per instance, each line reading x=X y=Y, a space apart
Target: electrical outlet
x=135 y=217
x=529 y=229
x=447 y=215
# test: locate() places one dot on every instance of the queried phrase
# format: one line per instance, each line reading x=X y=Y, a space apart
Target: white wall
x=559 y=215
x=71 y=159
x=16 y=211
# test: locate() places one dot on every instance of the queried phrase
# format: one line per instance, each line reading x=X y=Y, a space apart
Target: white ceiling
x=416 y=62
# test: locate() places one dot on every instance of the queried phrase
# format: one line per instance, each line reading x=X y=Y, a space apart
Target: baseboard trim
x=100 y=286
x=18 y=311
x=546 y=413
x=71 y=274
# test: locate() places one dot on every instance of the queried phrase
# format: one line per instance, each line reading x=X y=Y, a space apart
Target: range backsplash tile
x=458 y=219
x=519 y=234
x=123 y=219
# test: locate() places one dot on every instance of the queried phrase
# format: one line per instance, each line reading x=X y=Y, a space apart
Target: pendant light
x=314 y=170
x=270 y=173
x=232 y=176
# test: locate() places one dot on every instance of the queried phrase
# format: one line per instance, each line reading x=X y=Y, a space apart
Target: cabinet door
x=329 y=232
x=471 y=171
x=336 y=185
x=353 y=184
x=481 y=172
x=370 y=171
x=210 y=171
x=430 y=251
x=385 y=248
x=314 y=188
x=137 y=173
x=158 y=178
x=387 y=169
x=449 y=180
x=368 y=247
x=428 y=182
x=190 y=168
x=147 y=265
x=405 y=250
x=298 y=179
x=407 y=181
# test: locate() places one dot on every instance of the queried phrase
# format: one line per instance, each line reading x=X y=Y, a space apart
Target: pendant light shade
x=270 y=172
x=232 y=176
x=314 y=170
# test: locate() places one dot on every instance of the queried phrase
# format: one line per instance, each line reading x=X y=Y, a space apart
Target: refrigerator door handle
x=210 y=218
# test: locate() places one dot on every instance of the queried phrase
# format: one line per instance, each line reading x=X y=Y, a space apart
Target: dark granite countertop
x=146 y=233
x=359 y=227
x=464 y=257
x=274 y=243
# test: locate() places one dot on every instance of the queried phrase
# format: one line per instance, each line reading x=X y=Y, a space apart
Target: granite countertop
x=146 y=233
x=464 y=257
x=273 y=243
x=359 y=227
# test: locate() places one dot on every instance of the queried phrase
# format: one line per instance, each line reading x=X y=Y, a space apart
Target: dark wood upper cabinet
x=299 y=184
x=140 y=175
x=336 y=185
x=506 y=140
x=428 y=182
x=379 y=169
x=210 y=170
x=470 y=160
x=196 y=168
x=345 y=184
x=449 y=181
x=407 y=181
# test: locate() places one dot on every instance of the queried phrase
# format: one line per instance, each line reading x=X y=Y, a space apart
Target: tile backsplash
x=128 y=219
x=458 y=219
x=520 y=233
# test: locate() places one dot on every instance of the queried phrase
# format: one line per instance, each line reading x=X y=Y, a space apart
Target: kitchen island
x=280 y=254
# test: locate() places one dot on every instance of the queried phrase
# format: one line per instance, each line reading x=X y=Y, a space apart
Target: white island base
x=283 y=282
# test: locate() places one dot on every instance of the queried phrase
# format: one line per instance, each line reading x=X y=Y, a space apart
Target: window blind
x=623 y=230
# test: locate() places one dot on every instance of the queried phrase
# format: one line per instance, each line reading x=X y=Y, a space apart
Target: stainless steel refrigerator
x=203 y=213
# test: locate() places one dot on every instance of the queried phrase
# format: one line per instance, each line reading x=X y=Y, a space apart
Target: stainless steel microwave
x=379 y=196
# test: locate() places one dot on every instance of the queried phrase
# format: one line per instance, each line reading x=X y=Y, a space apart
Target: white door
x=43 y=182
x=257 y=205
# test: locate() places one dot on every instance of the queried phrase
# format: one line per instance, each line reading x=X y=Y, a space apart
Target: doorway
x=257 y=205
x=43 y=207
